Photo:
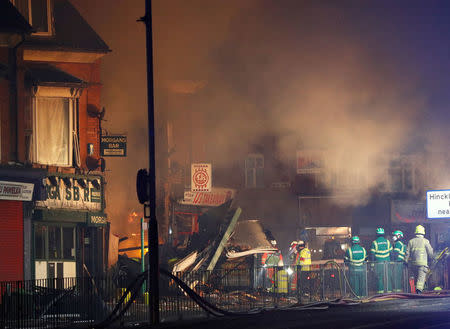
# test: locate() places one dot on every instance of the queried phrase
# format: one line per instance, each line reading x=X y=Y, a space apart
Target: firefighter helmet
x=380 y=230
x=420 y=230
x=355 y=239
x=300 y=243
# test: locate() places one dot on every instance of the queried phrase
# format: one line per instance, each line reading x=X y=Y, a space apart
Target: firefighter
x=270 y=261
x=417 y=253
x=293 y=252
x=398 y=256
x=380 y=254
x=303 y=263
x=355 y=258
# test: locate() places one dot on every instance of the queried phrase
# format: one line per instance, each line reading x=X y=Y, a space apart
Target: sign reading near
x=113 y=146
x=16 y=191
x=438 y=204
x=201 y=177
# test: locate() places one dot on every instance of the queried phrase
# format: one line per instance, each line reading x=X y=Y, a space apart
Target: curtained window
x=53 y=130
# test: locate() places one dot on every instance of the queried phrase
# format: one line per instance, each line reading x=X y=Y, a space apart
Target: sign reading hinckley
x=16 y=191
x=201 y=177
x=113 y=146
x=438 y=204
x=73 y=195
x=216 y=197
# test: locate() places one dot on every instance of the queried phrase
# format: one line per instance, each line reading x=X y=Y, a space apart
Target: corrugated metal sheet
x=249 y=234
x=11 y=240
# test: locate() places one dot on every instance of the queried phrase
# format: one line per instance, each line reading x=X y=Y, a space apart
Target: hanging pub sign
x=16 y=191
x=201 y=177
x=113 y=146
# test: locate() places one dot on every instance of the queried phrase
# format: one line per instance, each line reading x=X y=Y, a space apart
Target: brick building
x=51 y=174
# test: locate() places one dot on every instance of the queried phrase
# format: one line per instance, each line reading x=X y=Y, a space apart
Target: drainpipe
x=13 y=102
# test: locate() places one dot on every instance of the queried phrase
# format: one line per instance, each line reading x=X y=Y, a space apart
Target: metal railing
x=104 y=301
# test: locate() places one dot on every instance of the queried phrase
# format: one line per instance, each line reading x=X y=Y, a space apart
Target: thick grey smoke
x=307 y=72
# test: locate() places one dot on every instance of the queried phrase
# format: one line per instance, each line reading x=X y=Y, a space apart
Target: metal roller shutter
x=11 y=240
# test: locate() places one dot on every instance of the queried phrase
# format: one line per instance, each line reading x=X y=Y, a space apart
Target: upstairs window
x=54 y=126
x=254 y=171
x=400 y=174
x=38 y=13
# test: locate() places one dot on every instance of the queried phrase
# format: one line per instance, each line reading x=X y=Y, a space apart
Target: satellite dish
x=94 y=112
x=92 y=163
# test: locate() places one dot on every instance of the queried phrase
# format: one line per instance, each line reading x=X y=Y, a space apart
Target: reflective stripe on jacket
x=272 y=259
x=381 y=249
x=304 y=259
x=356 y=255
x=418 y=251
x=399 y=251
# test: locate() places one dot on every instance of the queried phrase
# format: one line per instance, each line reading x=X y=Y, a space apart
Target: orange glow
x=133 y=216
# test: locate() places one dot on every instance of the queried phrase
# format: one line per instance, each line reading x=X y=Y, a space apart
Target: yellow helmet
x=420 y=230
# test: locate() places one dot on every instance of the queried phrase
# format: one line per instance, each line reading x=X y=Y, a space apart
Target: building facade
x=51 y=174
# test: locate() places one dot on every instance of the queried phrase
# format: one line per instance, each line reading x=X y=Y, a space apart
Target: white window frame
x=49 y=31
x=48 y=92
x=247 y=181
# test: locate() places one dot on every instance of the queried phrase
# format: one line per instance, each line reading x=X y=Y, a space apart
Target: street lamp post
x=150 y=206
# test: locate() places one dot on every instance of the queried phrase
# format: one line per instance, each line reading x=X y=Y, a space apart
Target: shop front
x=69 y=228
x=18 y=189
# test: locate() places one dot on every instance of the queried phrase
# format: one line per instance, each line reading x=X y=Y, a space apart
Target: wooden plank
x=224 y=240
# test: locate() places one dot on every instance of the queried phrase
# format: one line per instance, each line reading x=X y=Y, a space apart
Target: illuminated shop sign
x=201 y=177
x=438 y=204
x=216 y=197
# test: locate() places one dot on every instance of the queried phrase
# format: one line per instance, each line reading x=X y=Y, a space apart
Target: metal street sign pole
x=153 y=273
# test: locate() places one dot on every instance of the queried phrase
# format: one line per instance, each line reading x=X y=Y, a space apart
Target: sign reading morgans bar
x=438 y=204
x=113 y=145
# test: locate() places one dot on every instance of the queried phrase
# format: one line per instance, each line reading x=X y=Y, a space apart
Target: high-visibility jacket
x=418 y=251
x=304 y=259
x=399 y=251
x=380 y=250
x=273 y=259
x=355 y=256
x=282 y=279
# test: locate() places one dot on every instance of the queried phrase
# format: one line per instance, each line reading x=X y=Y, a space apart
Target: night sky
x=372 y=76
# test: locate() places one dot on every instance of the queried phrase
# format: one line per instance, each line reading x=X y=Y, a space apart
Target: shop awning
x=47 y=75
x=67 y=216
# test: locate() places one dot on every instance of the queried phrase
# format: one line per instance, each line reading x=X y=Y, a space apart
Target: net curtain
x=52 y=130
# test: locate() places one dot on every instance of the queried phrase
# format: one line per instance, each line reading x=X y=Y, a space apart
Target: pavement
x=427 y=312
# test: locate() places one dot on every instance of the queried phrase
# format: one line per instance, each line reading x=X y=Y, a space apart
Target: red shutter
x=11 y=240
